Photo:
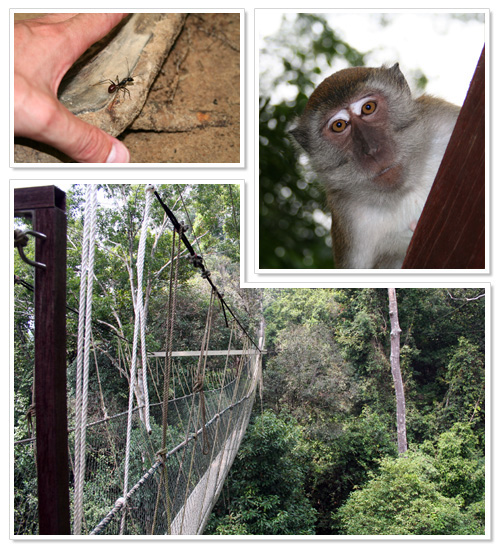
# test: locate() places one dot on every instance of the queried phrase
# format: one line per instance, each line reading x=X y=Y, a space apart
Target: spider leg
x=103 y=81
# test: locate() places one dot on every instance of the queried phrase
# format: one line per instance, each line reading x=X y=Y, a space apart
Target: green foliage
x=266 y=483
x=329 y=367
x=460 y=463
x=212 y=212
x=404 y=498
x=294 y=231
x=356 y=336
x=465 y=377
x=362 y=442
x=301 y=306
x=362 y=334
x=442 y=353
x=361 y=330
x=435 y=321
x=309 y=380
x=231 y=524
x=305 y=373
x=25 y=503
x=343 y=461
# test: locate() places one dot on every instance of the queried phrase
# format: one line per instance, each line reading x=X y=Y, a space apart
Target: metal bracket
x=21 y=240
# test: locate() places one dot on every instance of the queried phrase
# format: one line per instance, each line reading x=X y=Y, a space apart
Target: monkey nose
x=372 y=151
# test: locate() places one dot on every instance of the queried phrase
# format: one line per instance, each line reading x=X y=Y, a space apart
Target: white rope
x=83 y=349
x=139 y=329
x=142 y=310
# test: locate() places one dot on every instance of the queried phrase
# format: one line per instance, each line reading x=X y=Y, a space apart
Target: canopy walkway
x=177 y=492
x=156 y=468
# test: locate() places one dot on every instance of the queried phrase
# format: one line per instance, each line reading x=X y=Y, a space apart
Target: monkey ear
x=300 y=134
x=398 y=76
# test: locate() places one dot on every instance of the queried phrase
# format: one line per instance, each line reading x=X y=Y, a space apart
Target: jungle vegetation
x=326 y=425
x=320 y=455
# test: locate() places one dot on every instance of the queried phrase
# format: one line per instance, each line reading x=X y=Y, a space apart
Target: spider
x=115 y=87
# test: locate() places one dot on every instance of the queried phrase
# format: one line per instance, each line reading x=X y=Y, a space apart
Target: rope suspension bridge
x=158 y=467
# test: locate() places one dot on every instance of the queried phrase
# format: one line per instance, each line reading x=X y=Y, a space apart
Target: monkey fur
x=376 y=150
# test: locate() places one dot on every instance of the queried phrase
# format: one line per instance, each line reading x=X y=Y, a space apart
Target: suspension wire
x=190 y=222
x=83 y=349
x=198 y=380
x=98 y=376
x=172 y=302
x=199 y=383
x=198 y=388
x=197 y=261
x=219 y=405
x=22 y=282
x=171 y=310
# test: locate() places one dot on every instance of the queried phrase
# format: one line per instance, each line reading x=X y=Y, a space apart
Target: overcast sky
x=446 y=50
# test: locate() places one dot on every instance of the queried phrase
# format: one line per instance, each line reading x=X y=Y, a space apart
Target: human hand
x=44 y=50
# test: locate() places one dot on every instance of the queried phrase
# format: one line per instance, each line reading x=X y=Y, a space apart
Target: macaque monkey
x=376 y=150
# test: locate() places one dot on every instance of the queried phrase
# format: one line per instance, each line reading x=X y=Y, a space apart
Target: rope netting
x=158 y=468
x=194 y=476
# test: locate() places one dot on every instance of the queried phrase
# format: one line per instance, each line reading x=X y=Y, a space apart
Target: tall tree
x=396 y=372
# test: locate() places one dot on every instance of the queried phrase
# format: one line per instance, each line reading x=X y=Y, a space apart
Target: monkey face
x=360 y=130
x=376 y=151
x=351 y=129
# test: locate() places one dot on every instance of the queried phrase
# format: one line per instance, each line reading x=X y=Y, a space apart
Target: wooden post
x=48 y=210
x=451 y=231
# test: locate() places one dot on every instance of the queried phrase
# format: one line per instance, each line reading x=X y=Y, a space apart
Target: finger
x=58 y=127
x=91 y=145
x=58 y=41
x=85 y=29
x=86 y=143
x=48 y=18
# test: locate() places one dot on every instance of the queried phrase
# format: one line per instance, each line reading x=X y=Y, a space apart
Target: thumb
x=40 y=116
x=50 y=122
x=84 y=142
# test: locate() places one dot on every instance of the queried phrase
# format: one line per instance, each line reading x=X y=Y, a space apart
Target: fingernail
x=118 y=153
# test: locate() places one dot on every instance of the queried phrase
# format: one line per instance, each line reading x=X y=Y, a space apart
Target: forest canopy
x=326 y=415
x=329 y=407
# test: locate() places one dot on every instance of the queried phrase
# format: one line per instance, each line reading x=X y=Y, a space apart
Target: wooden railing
x=451 y=231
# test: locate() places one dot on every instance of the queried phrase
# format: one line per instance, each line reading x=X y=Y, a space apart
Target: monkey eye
x=369 y=107
x=339 y=125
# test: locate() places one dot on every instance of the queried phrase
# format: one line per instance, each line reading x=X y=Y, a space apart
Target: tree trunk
x=396 y=372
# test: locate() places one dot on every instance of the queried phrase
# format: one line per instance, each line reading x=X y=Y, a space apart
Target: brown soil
x=200 y=86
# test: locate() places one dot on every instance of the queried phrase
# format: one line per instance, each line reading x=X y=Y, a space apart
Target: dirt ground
x=201 y=78
x=192 y=113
